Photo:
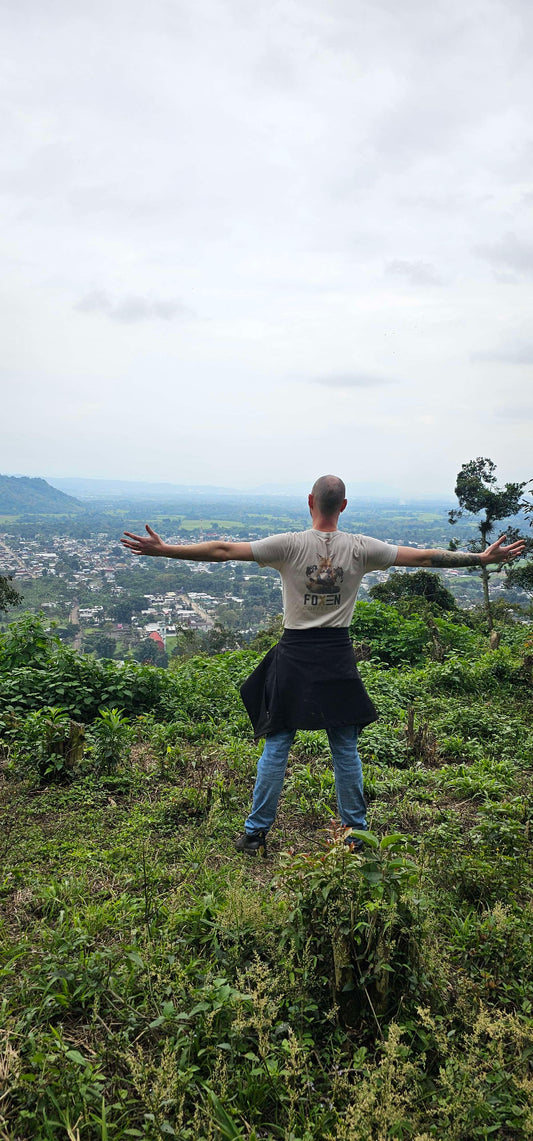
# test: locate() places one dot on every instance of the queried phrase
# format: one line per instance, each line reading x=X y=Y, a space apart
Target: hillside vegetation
x=21 y=495
x=156 y=984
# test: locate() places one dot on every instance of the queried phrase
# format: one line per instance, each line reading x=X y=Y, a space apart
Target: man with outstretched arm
x=310 y=679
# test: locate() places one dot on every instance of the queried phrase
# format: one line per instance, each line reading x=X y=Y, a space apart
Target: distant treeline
x=412 y=529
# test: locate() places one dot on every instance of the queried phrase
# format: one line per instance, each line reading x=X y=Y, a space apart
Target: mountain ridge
x=29 y=495
x=87 y=488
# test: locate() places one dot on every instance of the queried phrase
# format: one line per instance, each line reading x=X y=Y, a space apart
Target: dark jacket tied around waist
x=309 y=680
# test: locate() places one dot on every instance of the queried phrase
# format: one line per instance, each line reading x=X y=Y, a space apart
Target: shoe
x=251 y=842
x=353 y=843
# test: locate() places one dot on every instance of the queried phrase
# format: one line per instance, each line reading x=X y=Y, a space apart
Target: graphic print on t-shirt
x=323 y=579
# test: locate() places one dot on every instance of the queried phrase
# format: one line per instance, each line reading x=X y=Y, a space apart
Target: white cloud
x=519 y=353
x=352 y=380
x=129 y=310
x=510 y=253
x=337 y=189
x=515 y=412
x=415 y=272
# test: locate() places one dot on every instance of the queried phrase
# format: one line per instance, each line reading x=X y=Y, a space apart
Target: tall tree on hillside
x=523 y=576
x=8 y=595
x=478 y=494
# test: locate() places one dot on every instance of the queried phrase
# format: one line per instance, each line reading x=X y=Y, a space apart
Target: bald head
x=329 y=494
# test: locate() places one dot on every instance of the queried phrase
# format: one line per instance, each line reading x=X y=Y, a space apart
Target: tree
x=123 y=610
x=100 y=644
x=68 y=633
x=8 y=595
x=219 y=638
x=229 y=618
x=149 y=653
x=188 y=642
x=478 y=494
x=266 y=638
x=523 y=576
x=421 y=584
x=67 y=564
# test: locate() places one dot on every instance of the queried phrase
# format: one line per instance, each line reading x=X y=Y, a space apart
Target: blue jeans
x=271 y=774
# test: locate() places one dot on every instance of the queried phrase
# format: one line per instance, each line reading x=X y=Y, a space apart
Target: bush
x=48 y=746
x=396 y=639
x=419 y=586
x=393 y=639
x=351 y=926
x=111 y=738
x=27 y=642
x=81 y=685
x=488 y=673
x=207 y=689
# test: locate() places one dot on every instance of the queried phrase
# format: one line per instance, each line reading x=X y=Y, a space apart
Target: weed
x=312 y=789
x=111 y=738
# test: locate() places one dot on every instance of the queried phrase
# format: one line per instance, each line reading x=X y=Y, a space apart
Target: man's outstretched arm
x=496 y=553
x=216 y=551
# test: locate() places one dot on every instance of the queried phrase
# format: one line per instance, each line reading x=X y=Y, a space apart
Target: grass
x=158 y=984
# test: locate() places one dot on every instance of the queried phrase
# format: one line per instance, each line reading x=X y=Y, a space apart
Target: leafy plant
x=49 y=745
x=393 y=639
x=350 y=923
x=82 y=685
x=9 y=596
x=27 y=642
x=312 y=788
x=111 y=737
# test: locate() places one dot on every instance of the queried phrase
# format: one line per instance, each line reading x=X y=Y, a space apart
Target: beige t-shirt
x=321 y=572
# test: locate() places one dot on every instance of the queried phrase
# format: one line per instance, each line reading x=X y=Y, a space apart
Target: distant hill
x=21 y=495
x=141 y=489
x=136 y=489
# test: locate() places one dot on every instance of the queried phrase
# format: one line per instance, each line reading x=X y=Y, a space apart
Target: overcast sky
x=250 y=243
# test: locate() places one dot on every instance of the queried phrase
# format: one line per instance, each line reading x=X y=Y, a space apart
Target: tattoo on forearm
x=455 y=559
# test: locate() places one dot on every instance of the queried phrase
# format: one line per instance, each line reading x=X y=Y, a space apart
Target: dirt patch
x=467 y=810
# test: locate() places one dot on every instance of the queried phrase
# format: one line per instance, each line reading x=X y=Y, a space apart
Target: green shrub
x=27 y=642
x=207 y=689
x=110 y=740
x=351 y=926
x=385 y=745
x=48 y=746
x=485 y=674
x=393 y=639
x=81 y=685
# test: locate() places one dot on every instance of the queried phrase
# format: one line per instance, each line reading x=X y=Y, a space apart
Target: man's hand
x=499 y=554
x=145 y=545
x=215 y=551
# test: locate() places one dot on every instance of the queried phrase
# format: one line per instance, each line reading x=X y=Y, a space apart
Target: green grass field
x=156 y=983
x=207 y=524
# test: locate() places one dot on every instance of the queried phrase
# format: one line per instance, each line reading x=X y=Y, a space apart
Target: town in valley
x=103 y=600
